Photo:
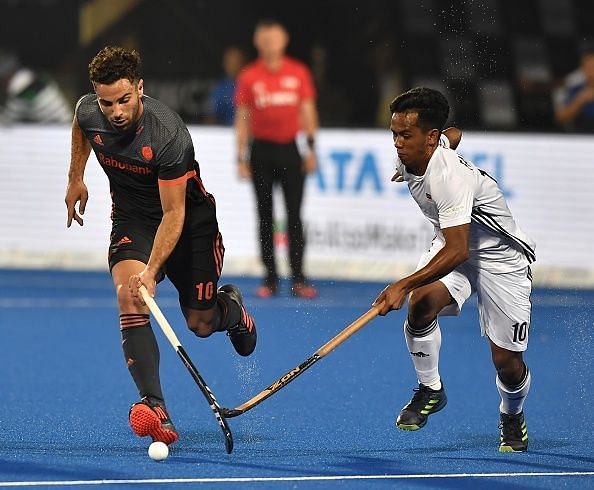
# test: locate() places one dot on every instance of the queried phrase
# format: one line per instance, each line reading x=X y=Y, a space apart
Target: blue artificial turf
x=65 y=394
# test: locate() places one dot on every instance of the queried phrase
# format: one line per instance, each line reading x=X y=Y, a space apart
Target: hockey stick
x=174 y=341
x=315 y=357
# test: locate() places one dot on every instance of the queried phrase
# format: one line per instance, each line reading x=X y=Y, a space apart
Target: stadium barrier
x=359 y=225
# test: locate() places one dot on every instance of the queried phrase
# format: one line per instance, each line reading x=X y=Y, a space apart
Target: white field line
x=293 y=479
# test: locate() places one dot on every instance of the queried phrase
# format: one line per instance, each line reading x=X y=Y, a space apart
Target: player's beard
x=128 y=123
x=120 y=128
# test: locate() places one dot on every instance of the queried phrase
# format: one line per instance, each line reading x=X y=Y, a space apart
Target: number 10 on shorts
x=520 y=331
x=205 y=291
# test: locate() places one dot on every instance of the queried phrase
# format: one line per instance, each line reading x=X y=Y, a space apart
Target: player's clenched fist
x=393 y=297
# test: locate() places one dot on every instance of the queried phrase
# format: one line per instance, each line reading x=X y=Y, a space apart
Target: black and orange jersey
x=157 y=151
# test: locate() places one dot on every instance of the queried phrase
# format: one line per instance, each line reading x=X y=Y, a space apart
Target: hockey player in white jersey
x=478 y=248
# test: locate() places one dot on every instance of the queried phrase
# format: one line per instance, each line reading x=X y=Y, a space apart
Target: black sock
x=229 y=312
x=141 y=352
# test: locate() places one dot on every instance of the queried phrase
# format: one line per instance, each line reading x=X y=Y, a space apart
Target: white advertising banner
x=359 y=225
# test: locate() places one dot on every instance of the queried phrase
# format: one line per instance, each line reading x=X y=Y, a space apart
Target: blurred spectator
x=574 y=101
x=28 y=95
x=275 y=99
x=221 y=104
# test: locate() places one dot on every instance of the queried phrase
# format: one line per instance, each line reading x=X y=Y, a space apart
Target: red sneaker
x=267 y=289
x=265 y=292
x=304 y=291
x=150 y=418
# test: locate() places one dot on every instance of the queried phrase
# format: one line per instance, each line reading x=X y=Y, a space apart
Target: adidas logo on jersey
x=124 y=241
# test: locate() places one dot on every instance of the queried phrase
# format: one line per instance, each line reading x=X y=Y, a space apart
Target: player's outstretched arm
x=454 y=253
x=173 y=199
x=76 y=190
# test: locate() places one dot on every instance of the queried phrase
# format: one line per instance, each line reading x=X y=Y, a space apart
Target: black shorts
x=194 y=267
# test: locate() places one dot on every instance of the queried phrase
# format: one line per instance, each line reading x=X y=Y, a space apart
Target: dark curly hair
x=114 y=63
x=431 y=106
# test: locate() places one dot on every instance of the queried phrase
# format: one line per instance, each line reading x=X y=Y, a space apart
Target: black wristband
x=311 y=142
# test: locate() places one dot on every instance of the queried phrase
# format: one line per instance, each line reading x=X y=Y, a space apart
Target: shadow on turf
x=198 y=438
x=484 y=441
x=301 y=462
x=43 y=471
x=199 y=447
x=205 y=442
x=521 y=460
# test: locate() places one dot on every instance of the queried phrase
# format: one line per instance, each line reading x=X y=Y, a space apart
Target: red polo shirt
x=274 y=98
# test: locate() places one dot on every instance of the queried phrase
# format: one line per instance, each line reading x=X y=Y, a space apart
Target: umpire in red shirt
x=275 y=99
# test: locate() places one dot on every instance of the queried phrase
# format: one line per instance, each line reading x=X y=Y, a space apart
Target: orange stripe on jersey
x=179 y=180
x=219 y=252
x=203 y=189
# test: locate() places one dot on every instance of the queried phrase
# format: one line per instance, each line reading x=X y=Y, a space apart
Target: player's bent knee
x=126 y=301
x=199 y=327
x=503 y=358
x=201 y=323
x=422 y=308
x=510 y=366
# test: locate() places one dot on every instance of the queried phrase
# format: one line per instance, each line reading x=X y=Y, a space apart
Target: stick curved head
x=230 y=412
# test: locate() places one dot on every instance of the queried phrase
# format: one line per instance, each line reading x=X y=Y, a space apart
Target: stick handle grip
x=161 y=320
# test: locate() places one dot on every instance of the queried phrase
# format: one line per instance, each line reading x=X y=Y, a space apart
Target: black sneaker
x=514 y=434
x=424 y=402
x=149 y=417
x=243 y=336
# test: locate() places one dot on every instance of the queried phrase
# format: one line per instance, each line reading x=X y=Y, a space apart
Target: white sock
x=424 y=352
x=512 y=400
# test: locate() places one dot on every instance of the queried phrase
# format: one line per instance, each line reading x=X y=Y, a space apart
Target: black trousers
x=276 y=163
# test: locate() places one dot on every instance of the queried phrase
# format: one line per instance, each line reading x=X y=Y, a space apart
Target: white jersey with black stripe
x=454 y=192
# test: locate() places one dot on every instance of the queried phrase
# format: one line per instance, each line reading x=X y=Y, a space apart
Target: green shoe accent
x=513 y=436
x=424 y=402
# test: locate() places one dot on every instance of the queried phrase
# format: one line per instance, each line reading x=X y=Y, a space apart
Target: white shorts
x=503 y=300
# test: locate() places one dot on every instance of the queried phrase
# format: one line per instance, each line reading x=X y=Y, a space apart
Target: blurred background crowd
x=505 y=65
